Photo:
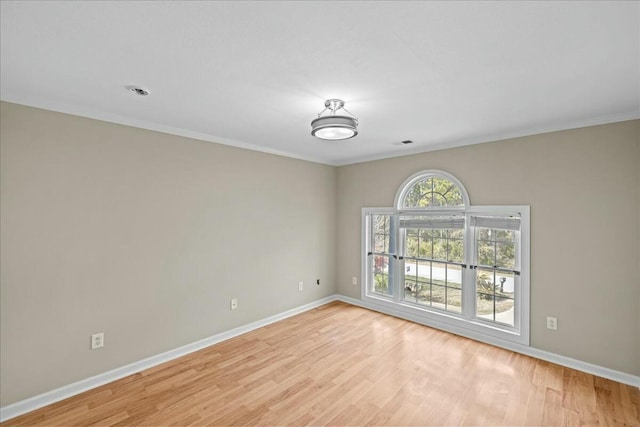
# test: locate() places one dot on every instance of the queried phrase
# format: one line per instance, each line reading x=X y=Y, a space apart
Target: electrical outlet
x=300 y=286
x=552 y=323
x=354 y=281
x=97 y=340
x=234 y=304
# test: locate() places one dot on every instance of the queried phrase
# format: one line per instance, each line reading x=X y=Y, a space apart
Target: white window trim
x=464 y=323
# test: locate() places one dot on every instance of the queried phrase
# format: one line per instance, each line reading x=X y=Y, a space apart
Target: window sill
x=449 y=322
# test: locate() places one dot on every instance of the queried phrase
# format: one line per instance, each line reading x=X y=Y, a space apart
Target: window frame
x=466 y=322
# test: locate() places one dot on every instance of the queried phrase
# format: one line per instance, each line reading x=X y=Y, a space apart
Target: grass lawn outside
x=448 y=296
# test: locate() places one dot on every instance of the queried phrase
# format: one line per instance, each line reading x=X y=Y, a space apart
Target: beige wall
x=146 y=237
x=582 y=186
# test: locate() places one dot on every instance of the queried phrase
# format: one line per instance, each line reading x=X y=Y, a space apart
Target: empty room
x=319 y=213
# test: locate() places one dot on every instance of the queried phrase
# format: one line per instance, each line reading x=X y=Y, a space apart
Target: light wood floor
x=343 y=365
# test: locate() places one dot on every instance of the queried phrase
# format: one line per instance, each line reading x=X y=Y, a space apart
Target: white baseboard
x=44 y=399
x=589 y=368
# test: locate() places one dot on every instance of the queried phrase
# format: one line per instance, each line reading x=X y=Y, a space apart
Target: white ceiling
x=254 y=74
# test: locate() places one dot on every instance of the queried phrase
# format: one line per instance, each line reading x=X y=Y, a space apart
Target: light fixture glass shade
x=334 y=127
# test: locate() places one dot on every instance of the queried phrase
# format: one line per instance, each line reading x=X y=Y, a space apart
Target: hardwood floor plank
x=344 y=365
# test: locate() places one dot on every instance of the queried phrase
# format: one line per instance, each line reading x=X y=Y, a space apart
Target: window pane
x=505 y=283
x=485 y=293
x=411 y=280
x=433 y=191
x=439 y=288
x=413 y=244
x=423 y=279
x=456 y=250
x=380 y=264
x=419 y=195
x=440 y=248
x=496 y=248
x=484 y=233
x=506 y=255
x=439 y=200
x=410 y=290
x=504 y=310
x=438 y=296
x=438 y=273
x=381 y=283
x=426 y=244
x=454 y=288
x=454 y=300
x=485 y=282
x=424 y=294
x=380 y=274
x=381 y=229
x=486 y=252
x=456 y=233
x=424 y=271
x=454 y=276
x=380 y=245
x=422 y=274
x=454 y=196
x=495 y=309
x=495 y=295
x=410 y=270
x=484 y=306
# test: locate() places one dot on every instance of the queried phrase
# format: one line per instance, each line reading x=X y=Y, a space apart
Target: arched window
x=432 y=189
x=435 y=257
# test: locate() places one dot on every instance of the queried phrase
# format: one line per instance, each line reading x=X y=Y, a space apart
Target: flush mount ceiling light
x=332 y=126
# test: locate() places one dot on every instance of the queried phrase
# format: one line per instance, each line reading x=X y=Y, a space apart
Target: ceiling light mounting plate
x=333 y=105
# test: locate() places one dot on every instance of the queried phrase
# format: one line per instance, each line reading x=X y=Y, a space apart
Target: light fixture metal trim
x=333 y=127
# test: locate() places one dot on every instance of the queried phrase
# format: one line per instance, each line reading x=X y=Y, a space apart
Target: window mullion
x=517 y=298
x=394 y=245
x=468 y=284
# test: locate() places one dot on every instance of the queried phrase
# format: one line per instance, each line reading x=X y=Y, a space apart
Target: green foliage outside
x=440 y=293
x=436 y=244
x=433 y=192
x=381 y=283
x=496 y=248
